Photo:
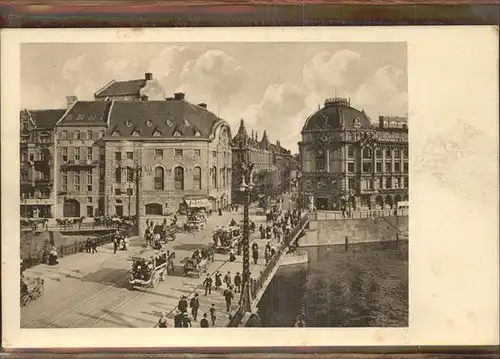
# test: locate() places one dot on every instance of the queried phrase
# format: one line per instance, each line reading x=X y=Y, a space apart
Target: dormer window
x=169 y=123
x=135 y=133
x=115 y=134
x=197 y=134
x=128 y=123
x=156 y=133
x=149 y=123
x=80 y=117
x=177 y=134
x=356 y=122
x=186 y=122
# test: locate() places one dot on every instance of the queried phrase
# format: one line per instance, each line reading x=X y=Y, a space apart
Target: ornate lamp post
x=246 y=186
x=137 y=176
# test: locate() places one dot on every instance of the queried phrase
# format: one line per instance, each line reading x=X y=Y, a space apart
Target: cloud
x=327 y=73
x=212 y=77
x=153 y=90
x=36 y=97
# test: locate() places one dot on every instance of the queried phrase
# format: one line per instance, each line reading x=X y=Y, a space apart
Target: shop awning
x=198 y=203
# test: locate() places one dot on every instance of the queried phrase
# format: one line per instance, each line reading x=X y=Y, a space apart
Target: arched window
x=320 y=160
x=214 y=177
x=179 y=178
x=197 y=178
x=367 y=152
x=350 y=151
x=378 y=153
x=221 y=176
x=159 y=178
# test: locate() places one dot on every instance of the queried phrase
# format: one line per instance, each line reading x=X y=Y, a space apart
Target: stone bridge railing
x=257 y=285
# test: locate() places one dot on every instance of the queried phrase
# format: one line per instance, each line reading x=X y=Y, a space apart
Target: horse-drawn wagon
x=31 y=289
x=151 y=266
x=226 y=238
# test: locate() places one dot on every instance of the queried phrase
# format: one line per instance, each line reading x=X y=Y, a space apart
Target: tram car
x=31 y=289
x=226 y=238
x=149 y=267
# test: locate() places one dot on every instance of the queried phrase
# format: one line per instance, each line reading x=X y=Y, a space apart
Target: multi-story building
x=348 y=162
x=182 y=149
x=131 y=90
x=36 y=150
x=78 y=161
x=271 y=164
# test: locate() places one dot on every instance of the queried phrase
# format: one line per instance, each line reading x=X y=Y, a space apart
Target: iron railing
x=377 y=213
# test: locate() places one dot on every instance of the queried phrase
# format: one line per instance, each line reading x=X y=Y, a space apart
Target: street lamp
x=246 y=186
x=137 y=175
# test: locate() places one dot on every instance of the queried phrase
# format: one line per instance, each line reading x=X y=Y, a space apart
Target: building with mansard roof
x=183 y=151
x=36 y=153
x=348 y=162
x=272 y=164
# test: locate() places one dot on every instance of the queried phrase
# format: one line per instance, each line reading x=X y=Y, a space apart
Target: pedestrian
x=93 y=243
x=178 y=319
x=208 y=284
x=186 y=322
x=255 y=253
x=232 y=257
x=195 y=305
x=213 y=314
x=87 y=245
x=237 y=282
x=227 y=279
x=228 y=296
x=218 y=281
x=115 y=244
x=204 y=321
x=162 y=322
x=183 y=305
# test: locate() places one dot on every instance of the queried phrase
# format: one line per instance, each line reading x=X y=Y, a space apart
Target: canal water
x=367 y=286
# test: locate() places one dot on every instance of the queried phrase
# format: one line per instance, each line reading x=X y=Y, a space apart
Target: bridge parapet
x=259 y=285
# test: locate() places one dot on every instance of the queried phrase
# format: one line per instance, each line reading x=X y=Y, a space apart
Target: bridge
x=241 y=315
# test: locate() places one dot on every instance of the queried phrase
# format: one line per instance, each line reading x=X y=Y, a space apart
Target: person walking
x=115 y=244
x=213 y=314
x=237 y=282
x=204 y=321
x=178 y=319
x=195 y=305
x=255 y=252
x=183 y=305
x=208 y=284
x=186 y=322
x=228 y=296
x=227 y=279
x=162 y=322
x=87 y=245
x=218 y=281
x=93 y=244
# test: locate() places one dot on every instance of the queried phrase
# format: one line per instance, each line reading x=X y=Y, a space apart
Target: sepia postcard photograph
x=249 y=181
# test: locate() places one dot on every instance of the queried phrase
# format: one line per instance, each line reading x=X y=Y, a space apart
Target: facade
x=181 y=149
x=271 y=164
x=36 y=171
x=348 y=162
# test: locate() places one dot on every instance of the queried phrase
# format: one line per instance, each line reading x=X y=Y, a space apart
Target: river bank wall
x=365 y=230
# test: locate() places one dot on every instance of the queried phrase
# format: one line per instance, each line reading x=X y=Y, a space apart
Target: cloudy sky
x=273 y=86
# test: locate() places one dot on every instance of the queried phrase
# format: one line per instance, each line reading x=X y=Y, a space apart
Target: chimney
x=179 y=96
x=169 y=99
x=70 y=100
x=381 y=121
x=144 y=98
x=204 y=105
x=148 y=76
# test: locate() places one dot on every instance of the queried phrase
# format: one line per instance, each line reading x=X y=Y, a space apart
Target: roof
x=46 y=118
x=86 y=113
x=242 y=134
x=336 y=116
x=121 y=88
x=176 y=118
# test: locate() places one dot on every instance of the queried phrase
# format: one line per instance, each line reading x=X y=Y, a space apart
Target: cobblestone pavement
x=91 y=290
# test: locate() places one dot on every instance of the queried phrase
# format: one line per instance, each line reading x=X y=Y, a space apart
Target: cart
x=194 y=267
x=150 y=267
x=31 y=289
x=196 y=225
x=226 y=238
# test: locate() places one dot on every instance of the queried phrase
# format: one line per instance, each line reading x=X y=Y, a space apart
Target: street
x=91 y=290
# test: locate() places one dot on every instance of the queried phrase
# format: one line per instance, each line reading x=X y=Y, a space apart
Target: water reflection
x=367 y=286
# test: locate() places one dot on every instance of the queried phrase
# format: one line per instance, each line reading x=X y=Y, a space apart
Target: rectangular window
x=388 y=153
x=320 y=160
x=367 y=167
x=406 y=182
x=378 y=167
x=76 y=135
x=350 y=152
x=159 y=154
x=197 y=153
x=130 y=191
x=64 y=135
x=214 y=154
x=89 y=135
x=118 y=174
x=405 y=167
x=118 y=156
x=130 y=174
x=118 y=192
x=64 y=182
x=388 y=183
x=378 y=153
x=89 y=182
x=397 y=153
x=351 y=182
x=398 y=183
x=397 y=167
x=178 y=153
x=77 y=181
x=405 y=153
x=130 y=155
x=388 y=167
x=89 y=199
x=32 y=157
x=77 y=153
x=350 y=167
x=89 y=154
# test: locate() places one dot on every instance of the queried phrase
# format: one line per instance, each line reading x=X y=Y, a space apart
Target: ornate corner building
x=348 y=162
x=272 y=170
